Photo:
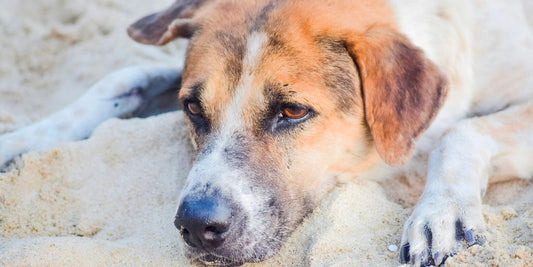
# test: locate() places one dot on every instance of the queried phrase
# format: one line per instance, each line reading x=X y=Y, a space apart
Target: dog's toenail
x=404 y=253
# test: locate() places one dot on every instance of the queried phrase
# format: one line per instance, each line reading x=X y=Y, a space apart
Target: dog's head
x=283 y=98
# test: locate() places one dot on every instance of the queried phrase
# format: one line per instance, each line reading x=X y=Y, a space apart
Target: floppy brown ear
x=402 y=91
x=178 y=20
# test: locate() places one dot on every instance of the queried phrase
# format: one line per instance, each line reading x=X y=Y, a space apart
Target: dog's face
x=283 y=99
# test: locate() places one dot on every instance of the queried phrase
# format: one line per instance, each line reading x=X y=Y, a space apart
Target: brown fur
x=402 y=90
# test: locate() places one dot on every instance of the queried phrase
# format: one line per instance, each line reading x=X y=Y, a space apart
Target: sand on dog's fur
x=111 y=199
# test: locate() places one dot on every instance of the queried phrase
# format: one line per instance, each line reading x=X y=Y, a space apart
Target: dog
x=287 y=98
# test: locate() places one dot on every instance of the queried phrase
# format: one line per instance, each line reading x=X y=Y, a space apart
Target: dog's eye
x=294 y=112
x=291 y=115
x=195 y=113
x=194 y=108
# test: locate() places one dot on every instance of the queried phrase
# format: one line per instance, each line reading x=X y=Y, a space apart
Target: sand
x=111 y=199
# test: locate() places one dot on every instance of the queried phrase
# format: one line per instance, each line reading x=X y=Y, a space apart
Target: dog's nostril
x=187 y=237
x=212 y=229
x=214 y=234
x=218 y=228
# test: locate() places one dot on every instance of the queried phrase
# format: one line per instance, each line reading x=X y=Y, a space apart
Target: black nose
x=203 y=222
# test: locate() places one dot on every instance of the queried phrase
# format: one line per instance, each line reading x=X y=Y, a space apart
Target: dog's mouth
x=214 y=260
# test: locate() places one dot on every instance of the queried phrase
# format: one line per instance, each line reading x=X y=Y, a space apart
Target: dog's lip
x=215 y=260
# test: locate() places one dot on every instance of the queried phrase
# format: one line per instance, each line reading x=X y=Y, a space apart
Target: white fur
x=484 y=48
x=233 y=114
x=212 y=169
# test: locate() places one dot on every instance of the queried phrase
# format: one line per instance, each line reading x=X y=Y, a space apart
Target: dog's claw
x=404 y=254
x=429 y=261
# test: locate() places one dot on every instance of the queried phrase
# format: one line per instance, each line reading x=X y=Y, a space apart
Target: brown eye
x=294 y=112
x=194 y=108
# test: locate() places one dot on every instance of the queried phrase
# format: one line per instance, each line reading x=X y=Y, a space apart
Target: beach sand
x=111 y=199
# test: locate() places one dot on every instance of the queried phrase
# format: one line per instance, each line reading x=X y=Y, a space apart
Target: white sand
x=110 y=200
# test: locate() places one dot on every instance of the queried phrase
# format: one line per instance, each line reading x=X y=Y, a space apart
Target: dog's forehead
x=242 y=67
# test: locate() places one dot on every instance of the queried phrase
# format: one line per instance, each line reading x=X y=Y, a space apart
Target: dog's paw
x=438 y=228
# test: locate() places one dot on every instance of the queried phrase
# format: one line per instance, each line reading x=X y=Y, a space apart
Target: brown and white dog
x=286 y=98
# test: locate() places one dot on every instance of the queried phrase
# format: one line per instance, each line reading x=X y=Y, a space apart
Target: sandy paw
x=439 y=228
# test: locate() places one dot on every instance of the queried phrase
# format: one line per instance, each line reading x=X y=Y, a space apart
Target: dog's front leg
x=121 y=93
x=448 y=214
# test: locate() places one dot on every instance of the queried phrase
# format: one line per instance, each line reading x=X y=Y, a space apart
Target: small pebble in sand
x=393 y=247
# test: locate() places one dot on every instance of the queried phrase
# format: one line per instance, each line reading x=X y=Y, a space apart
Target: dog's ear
x=402 y=91
x=178 y=20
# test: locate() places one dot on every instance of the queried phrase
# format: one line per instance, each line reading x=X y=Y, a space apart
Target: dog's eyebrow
x=275 y=97
x=277 y=93
x=192 y=92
